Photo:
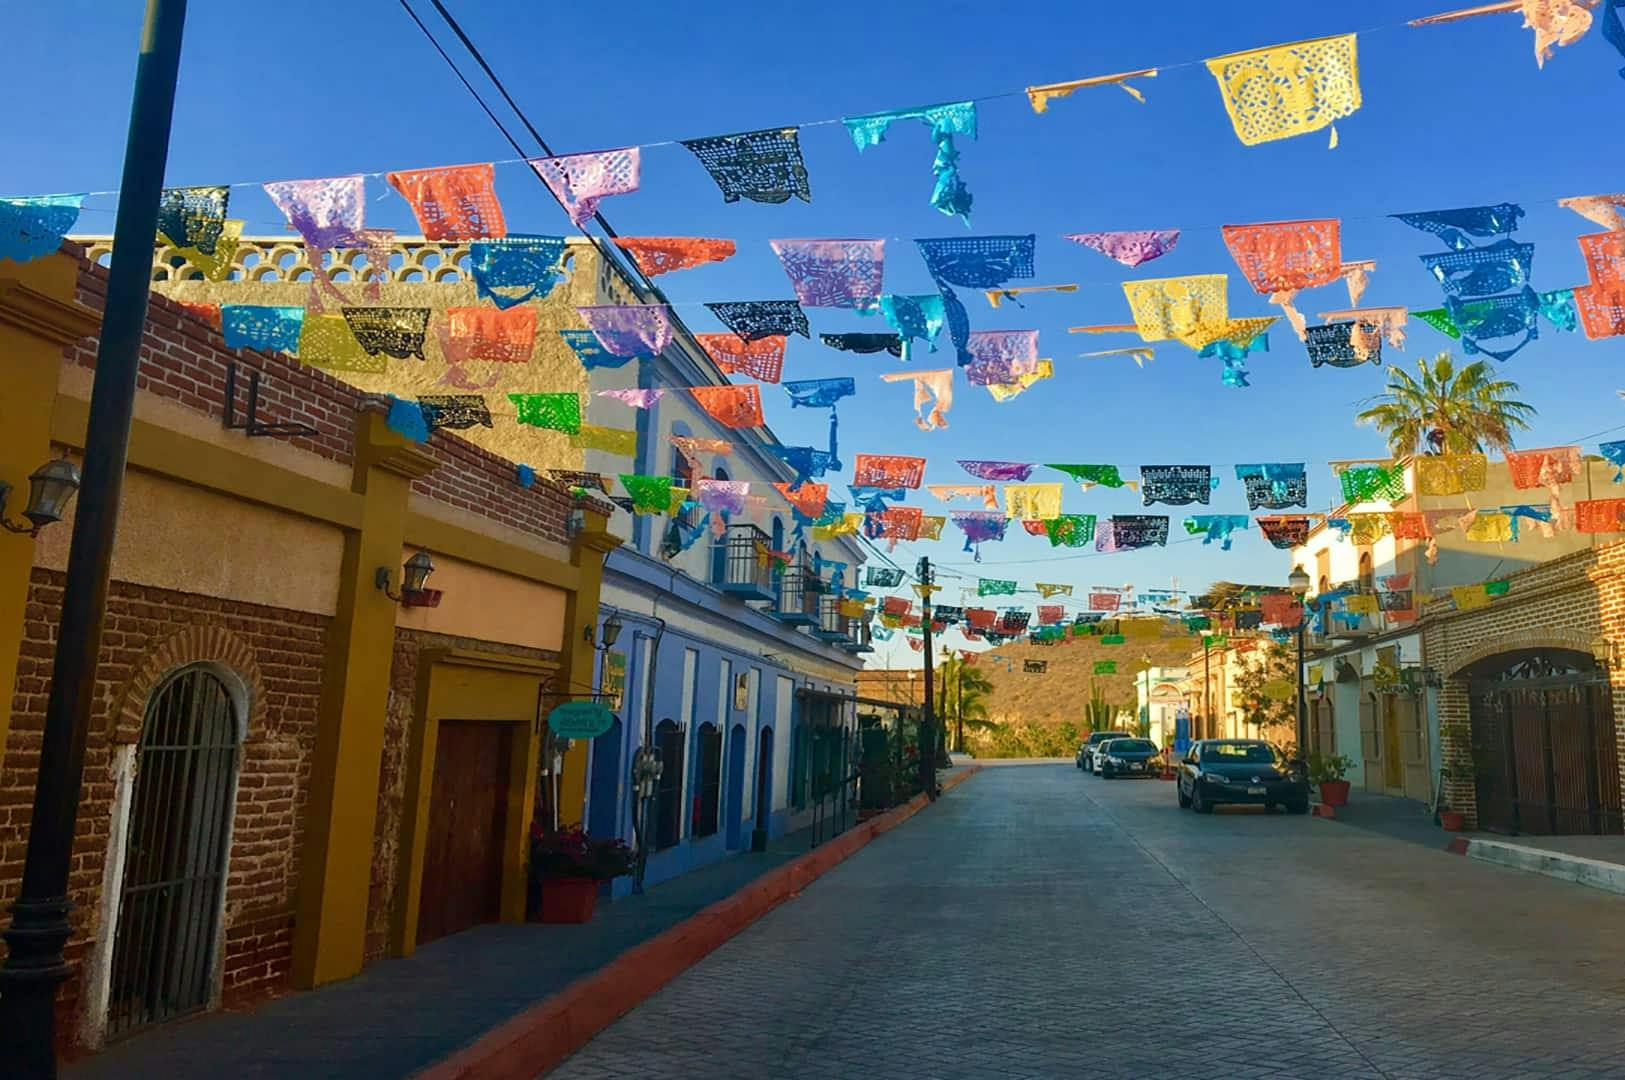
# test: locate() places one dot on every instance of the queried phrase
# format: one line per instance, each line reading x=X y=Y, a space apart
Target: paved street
x=1041 y=923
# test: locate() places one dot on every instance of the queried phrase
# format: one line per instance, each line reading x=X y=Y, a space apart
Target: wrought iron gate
x=175 y=854
x=1544 y=745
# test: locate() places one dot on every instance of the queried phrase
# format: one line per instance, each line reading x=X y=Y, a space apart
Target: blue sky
x=1453 y=116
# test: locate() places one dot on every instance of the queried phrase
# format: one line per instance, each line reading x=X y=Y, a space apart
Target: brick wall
x=184 y=359
x=278 y=654
x=480 y=482
x=1566 y=603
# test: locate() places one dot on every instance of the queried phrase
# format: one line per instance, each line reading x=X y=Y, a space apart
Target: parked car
x=1240 y=771
x=1128 y=757
x=1086 y=752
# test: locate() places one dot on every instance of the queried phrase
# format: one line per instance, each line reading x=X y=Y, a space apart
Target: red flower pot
x=1334 y=792
x=569 y=900
x=1451 y=820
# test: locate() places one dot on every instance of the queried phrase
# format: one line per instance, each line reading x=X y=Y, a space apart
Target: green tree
x=962 y=693
x=1266 y=690
x=1447 y=410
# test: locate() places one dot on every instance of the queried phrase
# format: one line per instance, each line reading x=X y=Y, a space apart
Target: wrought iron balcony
x=744 y=568
x=831 y=624
x=857 y=640
x=797 y=605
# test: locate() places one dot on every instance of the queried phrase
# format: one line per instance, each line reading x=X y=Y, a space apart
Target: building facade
x=1160 y=695
x=738 y=664
x=1360 y=704
x=1531 y=697
x=277 y=770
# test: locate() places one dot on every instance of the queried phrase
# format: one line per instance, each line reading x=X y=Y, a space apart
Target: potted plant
x=566 y=868
x=1328 y=772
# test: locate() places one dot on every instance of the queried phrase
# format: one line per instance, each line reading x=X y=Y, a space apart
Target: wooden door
x=468 y=818
x=1393 y=755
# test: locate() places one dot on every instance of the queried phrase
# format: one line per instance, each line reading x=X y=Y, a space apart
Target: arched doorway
x=175 y=855
x=734 y=804
x=669 y=794
x=1544 y=743
x=708 y=779
x=604 y=802
x=764 y=788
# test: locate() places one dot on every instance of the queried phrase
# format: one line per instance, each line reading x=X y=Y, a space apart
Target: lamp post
x=34 y=966
x=1298 y=582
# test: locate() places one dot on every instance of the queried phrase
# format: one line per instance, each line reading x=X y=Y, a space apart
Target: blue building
x=735 y=662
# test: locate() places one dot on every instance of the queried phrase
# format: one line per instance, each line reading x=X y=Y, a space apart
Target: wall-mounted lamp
x=49 y=489
x=611 y=634
x=1605 y=651
x=413 y=575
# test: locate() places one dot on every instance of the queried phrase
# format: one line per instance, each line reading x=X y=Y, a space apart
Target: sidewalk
x=1401 y=819
x=1597 y=861
x=400 y=1016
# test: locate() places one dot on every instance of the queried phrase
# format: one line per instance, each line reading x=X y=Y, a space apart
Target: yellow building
x=343 y=767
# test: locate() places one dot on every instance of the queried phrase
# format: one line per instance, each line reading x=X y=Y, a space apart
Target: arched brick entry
x=1522 y=639
x=196 y=644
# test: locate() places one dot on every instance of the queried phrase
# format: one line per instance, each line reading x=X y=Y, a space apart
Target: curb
x=1578 y=869
x=554 y=1028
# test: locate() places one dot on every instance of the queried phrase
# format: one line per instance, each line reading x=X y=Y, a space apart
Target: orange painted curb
x=556 y=1027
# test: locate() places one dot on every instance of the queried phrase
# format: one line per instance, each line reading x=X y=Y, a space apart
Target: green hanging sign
x=580 y=719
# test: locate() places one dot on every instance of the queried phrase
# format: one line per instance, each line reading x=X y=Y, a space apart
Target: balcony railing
x=745 y=567
x=797 y=605
x=831 y=624
x=857 y=640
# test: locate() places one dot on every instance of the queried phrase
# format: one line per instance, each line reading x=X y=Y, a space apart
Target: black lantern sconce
x=611 y=633
x=413 y=575
x=49 y=489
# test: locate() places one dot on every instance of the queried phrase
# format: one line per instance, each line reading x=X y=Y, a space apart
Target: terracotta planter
x=1451 y=820
x=569 y=900
x=1334 y=792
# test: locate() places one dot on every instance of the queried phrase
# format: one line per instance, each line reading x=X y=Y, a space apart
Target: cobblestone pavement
x=1042 y=923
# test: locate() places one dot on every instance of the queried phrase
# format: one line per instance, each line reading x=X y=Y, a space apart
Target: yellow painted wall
x=38 y=317
x=176 y=536
x=487 y=605
x=455 y=684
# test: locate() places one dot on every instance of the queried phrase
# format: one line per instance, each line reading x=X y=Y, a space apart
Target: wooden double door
x=1545 y=744
x=468 y=824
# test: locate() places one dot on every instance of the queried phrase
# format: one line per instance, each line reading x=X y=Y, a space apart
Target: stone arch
x=230 y=656
x=1522 y=639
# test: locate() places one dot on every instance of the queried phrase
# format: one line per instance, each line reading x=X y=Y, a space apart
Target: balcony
x=797 y=604
x=857 y=637
x=741 y=566
x=831 y=625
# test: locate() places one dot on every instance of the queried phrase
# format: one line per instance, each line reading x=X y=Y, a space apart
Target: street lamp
x=49 y=489
x=1298 y=582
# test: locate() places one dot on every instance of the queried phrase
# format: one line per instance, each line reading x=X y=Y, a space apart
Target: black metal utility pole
x=928 y=722
x=34 y=966
x=1207 y=691
x=1303 y=701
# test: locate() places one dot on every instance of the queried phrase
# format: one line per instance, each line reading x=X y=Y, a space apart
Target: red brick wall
x=480 y=482
x=1565 y=603
x=283 y=650
x=184 y=359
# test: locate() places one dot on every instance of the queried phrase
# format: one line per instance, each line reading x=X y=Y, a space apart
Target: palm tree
x=1449 y=411
x=963 y=691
